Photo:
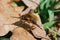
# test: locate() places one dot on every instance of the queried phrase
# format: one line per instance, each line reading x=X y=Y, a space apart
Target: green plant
x=4 y=38
x=46 y=11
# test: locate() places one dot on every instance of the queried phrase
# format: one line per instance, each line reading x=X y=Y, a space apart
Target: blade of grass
x=49 y=24
x=57 y=10
x=47 y=3
x=51 y=15
x=42 y=4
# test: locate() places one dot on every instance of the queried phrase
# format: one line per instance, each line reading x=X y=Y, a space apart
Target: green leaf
x=47 y=3
x=14 y=4
x=42 y=4
x=57 y=10
x=48 y=24
x=55 y=36
x=51 y=15
x=54 y=32
x=3 y=38
x=38 y=11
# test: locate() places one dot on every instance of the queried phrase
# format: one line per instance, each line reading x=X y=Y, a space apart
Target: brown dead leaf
x=43 y=39
x=11 y=27
x=4 y=30
x=8 y=1
x=25 y=12
x=30 y=4
x=21 y=33
x=39 y=33
x=10 y=12
x=7 y=14
x=58 y=32
x=37 y=2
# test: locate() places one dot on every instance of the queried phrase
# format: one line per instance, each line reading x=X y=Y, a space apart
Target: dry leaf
x=8 y=1
x=6 y=13
x=21 y=33
x=37 y=2
x=25 y=12
x=58 y=32
x=4 y=30
x=30 y=4
x=11 y=27
x=38 y=33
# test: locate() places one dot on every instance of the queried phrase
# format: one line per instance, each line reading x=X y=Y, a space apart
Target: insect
x=21 y=24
